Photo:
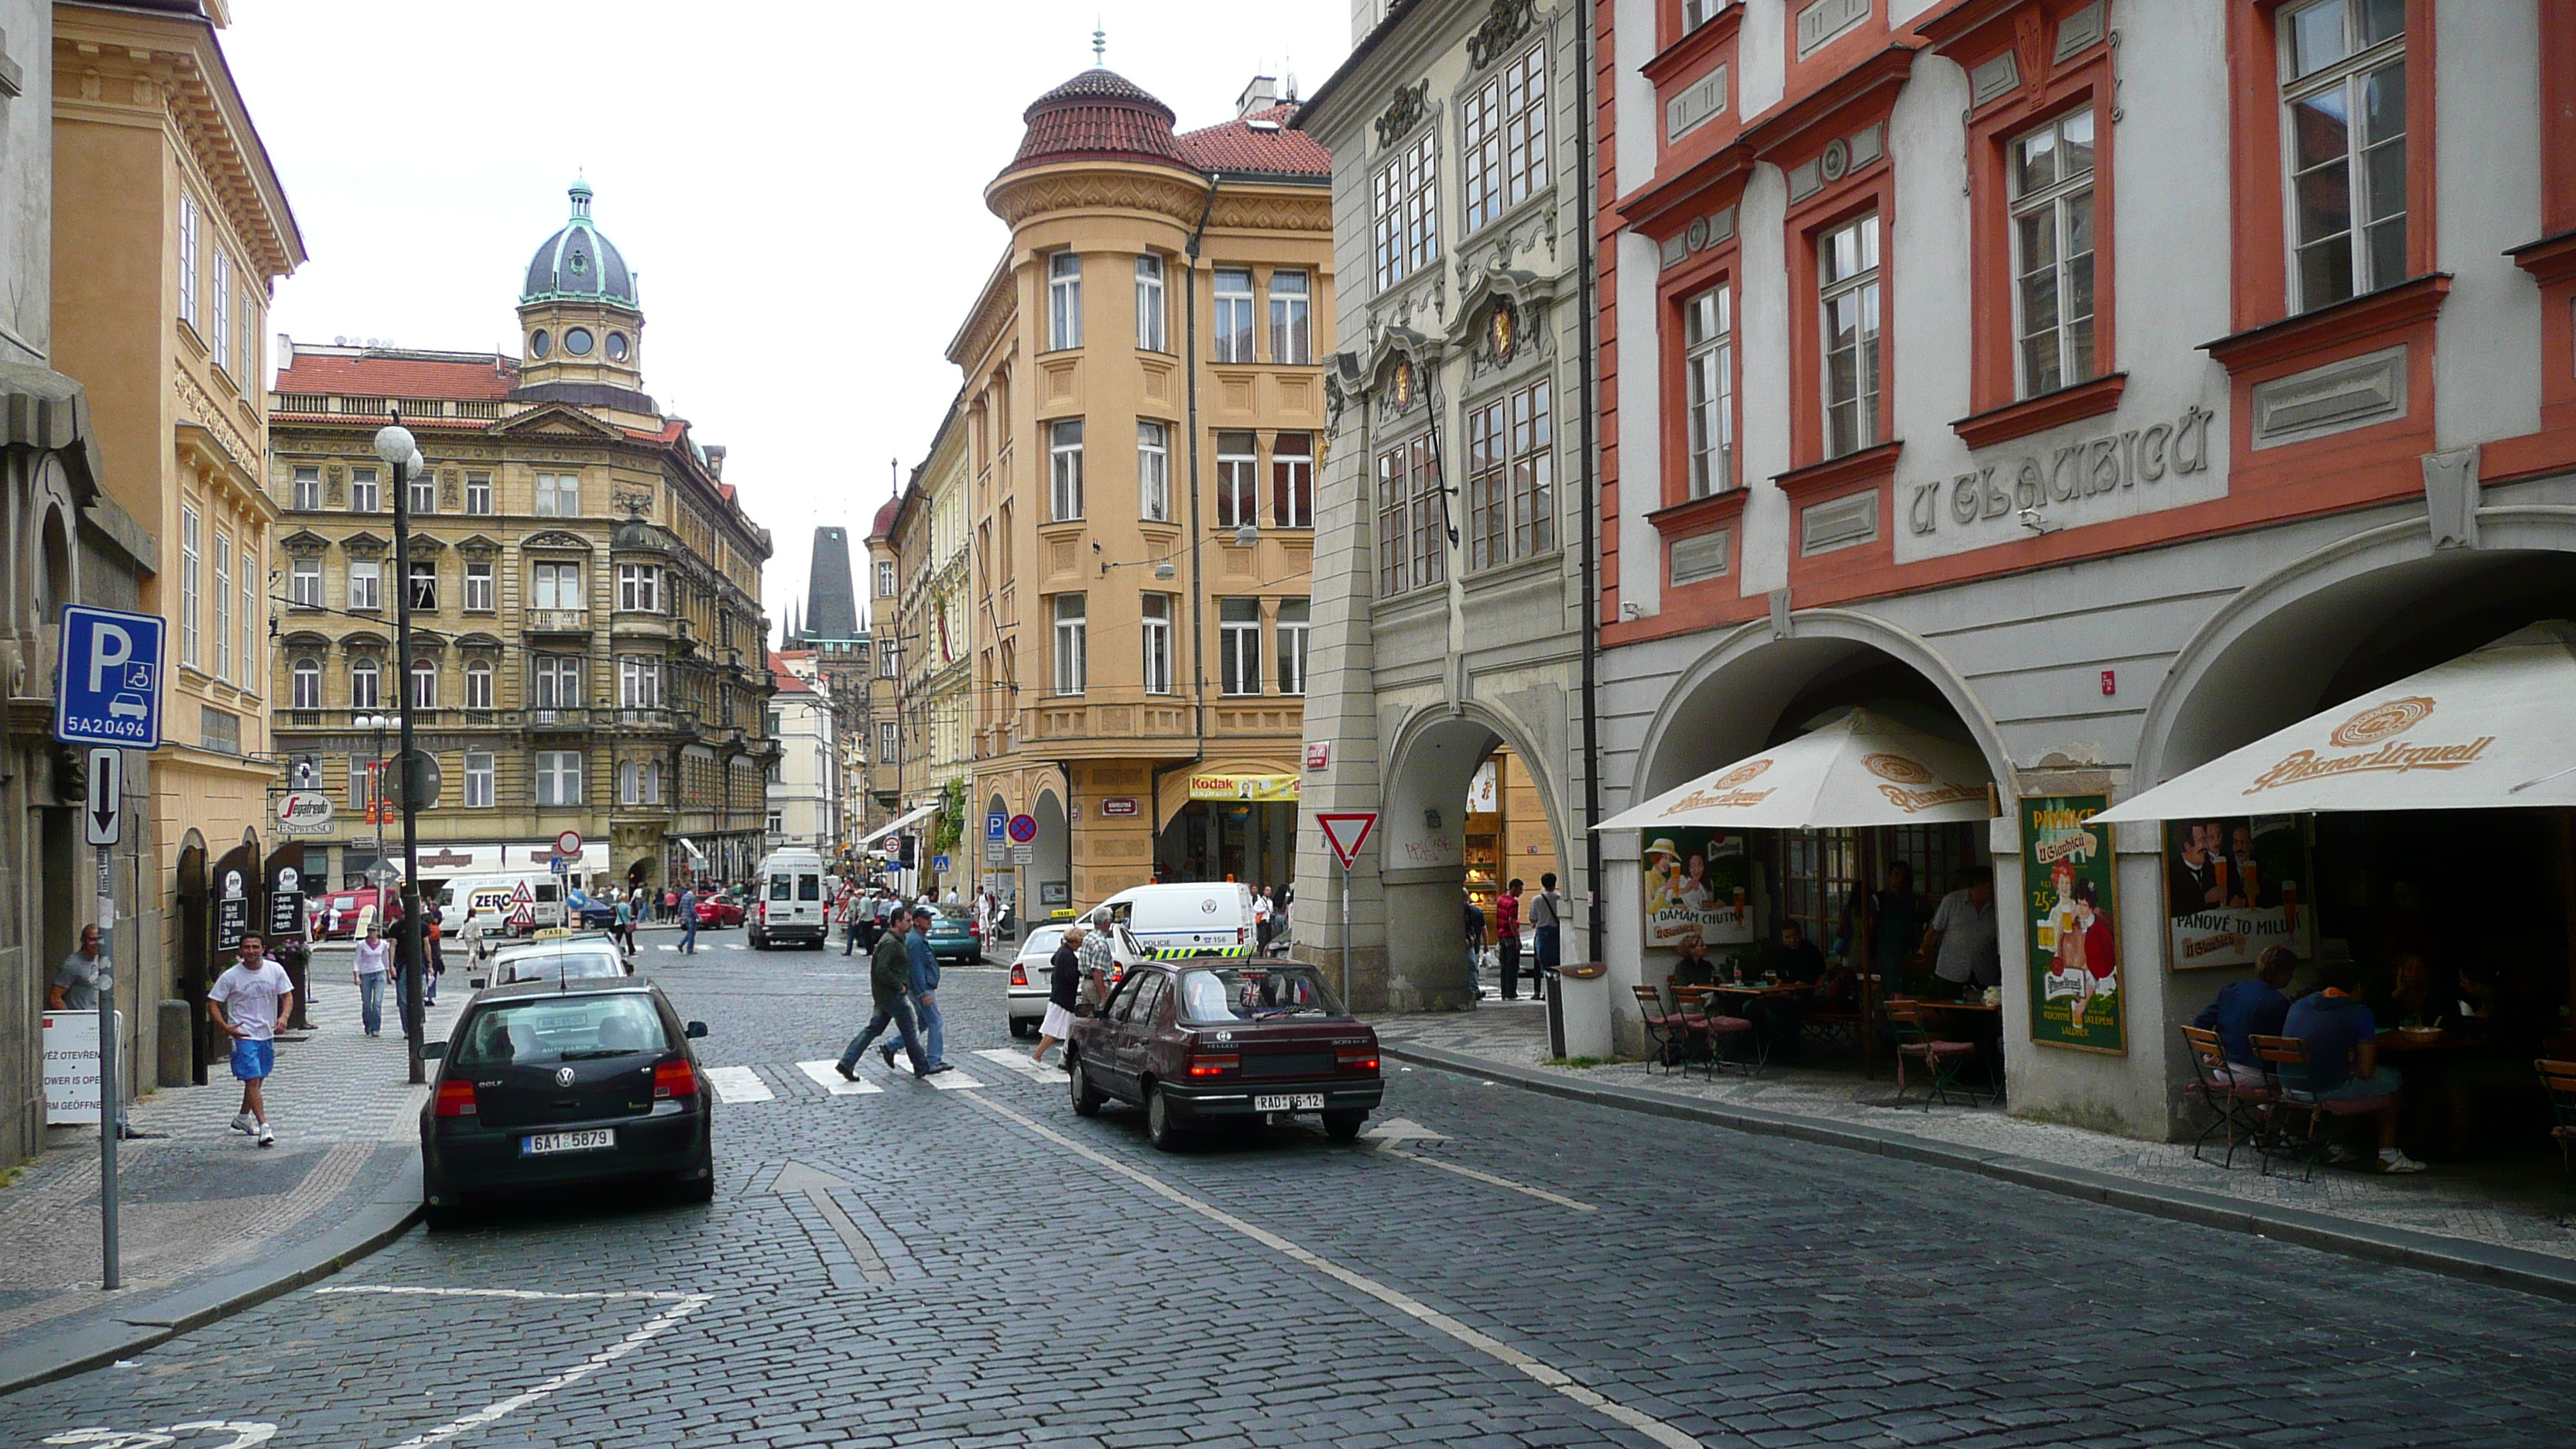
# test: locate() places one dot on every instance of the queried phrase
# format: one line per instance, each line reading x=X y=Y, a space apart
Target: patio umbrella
x=2486 y=730
x=1863 y=769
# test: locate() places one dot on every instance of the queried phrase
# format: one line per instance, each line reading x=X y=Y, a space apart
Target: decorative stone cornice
x=363 y=545
x=1273 y=211
x=1177 y=196
x=556 y=538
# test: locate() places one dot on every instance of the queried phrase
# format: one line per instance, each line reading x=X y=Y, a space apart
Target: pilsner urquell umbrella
x=1863 y=769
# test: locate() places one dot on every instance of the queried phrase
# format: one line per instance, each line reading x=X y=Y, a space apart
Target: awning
x=896 y=824
x=2487 y=730
x=1243 y=786
x=1863 y=769
x=691 y=847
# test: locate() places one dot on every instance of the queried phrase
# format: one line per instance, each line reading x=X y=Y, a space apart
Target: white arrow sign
x=105 y=816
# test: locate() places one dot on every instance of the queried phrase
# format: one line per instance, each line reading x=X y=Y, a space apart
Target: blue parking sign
x=107 y=679
x=994 y=823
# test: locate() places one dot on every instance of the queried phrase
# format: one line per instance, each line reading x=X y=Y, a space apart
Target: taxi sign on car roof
x=1185 y=953
x=551 y=932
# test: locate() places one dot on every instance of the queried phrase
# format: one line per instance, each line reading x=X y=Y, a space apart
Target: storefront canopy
x=896 y=824
x=1863 y=769
x=2485 y=731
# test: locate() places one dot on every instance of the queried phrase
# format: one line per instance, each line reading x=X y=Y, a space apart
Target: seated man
x=2251 y=1008
x=2342 y=1038
x=1794 y=959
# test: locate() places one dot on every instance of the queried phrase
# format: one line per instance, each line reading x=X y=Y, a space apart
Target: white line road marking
x=1555 y=1378
x=953 y=1080
x=1019 y=1062
x=829 y=1074
x=521 y=1293
x=1401 y=1129
x=1389 y=1150
x=739 y=1084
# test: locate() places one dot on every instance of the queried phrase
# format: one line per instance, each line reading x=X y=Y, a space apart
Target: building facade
x=805 y=778
x=828 y=626
x=932 y=639
x=1451 y=569
x=1142 y=410
x=585 y=586
x=170 y=229
x=2101 y=385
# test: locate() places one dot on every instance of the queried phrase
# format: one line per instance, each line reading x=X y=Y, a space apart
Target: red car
x=715 y=912
x=352 y=904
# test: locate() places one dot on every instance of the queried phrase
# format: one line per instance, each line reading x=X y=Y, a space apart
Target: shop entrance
x=1252 y=841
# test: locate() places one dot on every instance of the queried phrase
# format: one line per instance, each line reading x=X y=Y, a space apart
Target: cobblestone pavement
x=977 y=1266
x=2521 y=1207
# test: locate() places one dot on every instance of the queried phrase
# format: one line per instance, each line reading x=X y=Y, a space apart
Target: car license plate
x=1285 y=1102
x=545 y=1143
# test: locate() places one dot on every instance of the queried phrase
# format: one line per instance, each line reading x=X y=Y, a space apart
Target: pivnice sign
x=2067 y=474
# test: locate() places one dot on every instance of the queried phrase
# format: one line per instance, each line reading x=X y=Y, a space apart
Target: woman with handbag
x=1064 y=988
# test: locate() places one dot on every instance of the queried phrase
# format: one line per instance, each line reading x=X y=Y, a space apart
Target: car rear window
x=560 y=1030
x=809 y=887
x=1043 y=941
x=1251 y=993
x=567 y=965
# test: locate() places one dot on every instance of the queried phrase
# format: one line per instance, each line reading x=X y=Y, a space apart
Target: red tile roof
x=1238 y=145
x=884 y=526
x=787 y=683
x=487 y=379
x=1097 y=115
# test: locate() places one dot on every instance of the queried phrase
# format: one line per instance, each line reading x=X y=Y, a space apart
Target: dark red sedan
x=1209 y=1038
x=718 y=911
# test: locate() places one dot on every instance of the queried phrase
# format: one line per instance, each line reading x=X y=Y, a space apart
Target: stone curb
x=2517 y=1268
x=387 y=1214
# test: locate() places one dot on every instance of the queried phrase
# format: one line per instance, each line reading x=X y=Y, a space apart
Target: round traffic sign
x=1024 y=828
x=568 y=843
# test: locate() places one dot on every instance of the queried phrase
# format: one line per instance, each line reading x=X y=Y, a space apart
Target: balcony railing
x=558 y=621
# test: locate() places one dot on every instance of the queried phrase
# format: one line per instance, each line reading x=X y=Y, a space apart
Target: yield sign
x=1347 y=832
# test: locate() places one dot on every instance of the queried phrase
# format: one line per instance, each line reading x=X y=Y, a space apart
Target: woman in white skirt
x=1064 y=987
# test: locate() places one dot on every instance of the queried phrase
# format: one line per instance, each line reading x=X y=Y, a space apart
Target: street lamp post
x=401 y=452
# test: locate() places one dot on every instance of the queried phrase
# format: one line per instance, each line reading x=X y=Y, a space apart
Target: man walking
x=75 y=983
x=889 y=979
x=688 y=923
x=247 y=1002
x=1546 y=918
x=922 y=979
x=854 y=920
x=1507 y=938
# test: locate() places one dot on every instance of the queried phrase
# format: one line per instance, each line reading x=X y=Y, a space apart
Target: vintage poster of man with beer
x=2232 y=888
x=1696 y=881
x=2074 y=946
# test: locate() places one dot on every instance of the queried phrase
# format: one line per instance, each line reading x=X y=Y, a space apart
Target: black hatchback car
x=560 y=1082
x=1223 y=1037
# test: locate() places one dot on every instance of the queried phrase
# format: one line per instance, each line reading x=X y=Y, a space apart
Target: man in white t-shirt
x=248 y=1001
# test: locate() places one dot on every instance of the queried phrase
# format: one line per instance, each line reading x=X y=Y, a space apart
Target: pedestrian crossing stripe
x=739 y=1084
x=828 y=1073
x=1018 y=1061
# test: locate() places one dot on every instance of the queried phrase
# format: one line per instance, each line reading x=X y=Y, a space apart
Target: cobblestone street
x=1490 y=1269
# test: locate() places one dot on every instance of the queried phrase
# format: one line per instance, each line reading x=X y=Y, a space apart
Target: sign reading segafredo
x=2040 y=484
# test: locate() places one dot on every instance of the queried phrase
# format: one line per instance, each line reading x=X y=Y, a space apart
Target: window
x=219 y=730
x=1696 y=13
x=364 y=575
x=1238 y=472
x=423 y=580
x=558 y=777
x=651 y=773
x=2343 y=95
x=1847 y=296
x=478 y=588
x=1151 y=312
x=1239 y=645
x=478 y=684
x=1158 y=643
x=223 y=607
x=1404 y=226
x=885 y=580
x=1503 y=139
x=1292 y=480
x=422 y=493
x=305 y=689
x=304 y=583
x=778 y=826
x=1064 y=470
x=1708 y=372
x=249 y=318
x=1410 y=527
x=639 y=683
x=639 y=588
x=219 y=341
x=558 y=586
x=1293 y=614
x=1153 y=472
x=558 y=681
x=558 y=495
x=889 y=742
x=362 y=783
x=1072 y=643
x=364 y=679
x=191 y=543
x=424 y=684
x=478 y=493
x=2051 y=176
x=1511 y=483
x=1064 y=300
x=191 y=226
x=890 y=661
x=250 y=677
x=1233 y=315
x=362 y=490
x=308 y=488
x=478 y=781
x=1292 y=331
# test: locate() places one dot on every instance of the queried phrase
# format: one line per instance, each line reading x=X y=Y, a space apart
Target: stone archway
x=1421 y=850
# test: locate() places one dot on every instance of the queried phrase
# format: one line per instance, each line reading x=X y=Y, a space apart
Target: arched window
x=364 y=679
x=424 y=684
x=478 y=684
x=307 y=691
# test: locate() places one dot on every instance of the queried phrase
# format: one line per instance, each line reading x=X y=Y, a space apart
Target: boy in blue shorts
x=248 y=1001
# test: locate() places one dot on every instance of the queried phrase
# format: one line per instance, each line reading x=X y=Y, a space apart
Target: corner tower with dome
x=585 y=587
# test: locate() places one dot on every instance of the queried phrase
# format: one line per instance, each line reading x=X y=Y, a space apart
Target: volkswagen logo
x=563 y=1076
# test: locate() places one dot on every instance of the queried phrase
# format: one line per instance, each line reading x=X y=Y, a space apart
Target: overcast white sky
x=798 y=183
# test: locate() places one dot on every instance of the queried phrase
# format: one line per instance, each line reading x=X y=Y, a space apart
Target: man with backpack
x=1547 y=924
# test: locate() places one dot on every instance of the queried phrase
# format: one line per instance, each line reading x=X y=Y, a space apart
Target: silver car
x=565 y=958
x=1031 y=968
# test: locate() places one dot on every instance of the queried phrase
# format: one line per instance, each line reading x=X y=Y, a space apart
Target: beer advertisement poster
x=2234 y=887
x=1698 y=881
x=2074 y=929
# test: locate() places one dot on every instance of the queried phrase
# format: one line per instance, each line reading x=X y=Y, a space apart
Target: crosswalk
x=770 y=1082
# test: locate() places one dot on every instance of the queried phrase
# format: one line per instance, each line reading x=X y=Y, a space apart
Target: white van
x=788 y=903
x=496 y=897
x=1201 y=913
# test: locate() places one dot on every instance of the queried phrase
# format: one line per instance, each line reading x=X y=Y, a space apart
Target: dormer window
x=577 y=341
x=540 y=346
x=617 y=347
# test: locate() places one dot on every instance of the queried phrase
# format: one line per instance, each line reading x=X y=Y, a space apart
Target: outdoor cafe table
x=2436 y=1098
x=1976 y=1022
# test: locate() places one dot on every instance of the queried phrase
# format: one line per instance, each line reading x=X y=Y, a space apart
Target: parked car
x=354 y=906
x=1030 y=968
x=716 y=911
x=548 y=1085
x=589 y=911
x=1208 y=1039
x=956 y=935
x=570 y=956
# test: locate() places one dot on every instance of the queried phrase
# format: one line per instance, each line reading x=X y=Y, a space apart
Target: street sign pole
x=405 y=466
x=106 y=821
x=1346 y=832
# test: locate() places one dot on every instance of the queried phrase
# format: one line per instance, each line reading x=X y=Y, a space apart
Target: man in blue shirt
x=924 y=990
x=2342 y=1039
x=2251 y=1008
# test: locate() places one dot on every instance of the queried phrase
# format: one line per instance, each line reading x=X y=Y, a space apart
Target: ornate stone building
x=588 y=638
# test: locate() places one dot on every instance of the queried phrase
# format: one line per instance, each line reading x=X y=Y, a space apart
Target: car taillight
x=1240 y=934
x=456 y=1099
x=1019 y=974
x=975 y=929
x=1210 y=1066
x=674 y=1079
x=1356 y=1059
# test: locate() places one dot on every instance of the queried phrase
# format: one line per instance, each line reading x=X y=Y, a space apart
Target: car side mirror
x=431 y=1051
x=697 y=1029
